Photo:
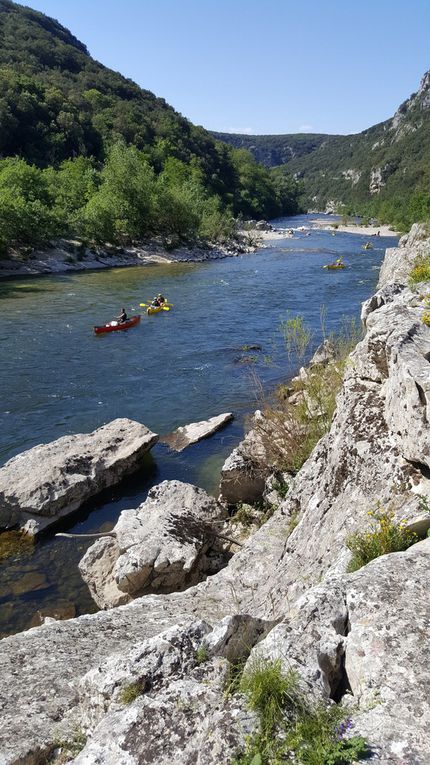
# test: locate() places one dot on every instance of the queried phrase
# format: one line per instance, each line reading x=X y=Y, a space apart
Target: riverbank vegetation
x=301 y=412
x=88 y=154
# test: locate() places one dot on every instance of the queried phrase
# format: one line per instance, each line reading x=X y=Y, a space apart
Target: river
x=180 y=366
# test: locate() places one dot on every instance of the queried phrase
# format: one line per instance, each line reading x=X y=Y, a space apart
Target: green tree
x=26 y=215
x=122 y=208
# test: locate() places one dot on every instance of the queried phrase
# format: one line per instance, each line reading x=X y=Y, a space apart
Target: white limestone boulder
x=195 y=431
x=246 y=469
x=52 y=480
x=164 y=545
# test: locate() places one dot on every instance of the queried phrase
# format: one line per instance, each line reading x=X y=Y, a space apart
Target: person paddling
x=159 y=300
x=122 y=317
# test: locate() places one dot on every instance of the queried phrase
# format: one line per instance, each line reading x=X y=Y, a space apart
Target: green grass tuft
x=385 y=536
x=293 y=729
x=131 y=692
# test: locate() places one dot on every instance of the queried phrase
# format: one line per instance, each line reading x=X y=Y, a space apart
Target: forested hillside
x=273 y=150
x=87 y=152
x=382 y=171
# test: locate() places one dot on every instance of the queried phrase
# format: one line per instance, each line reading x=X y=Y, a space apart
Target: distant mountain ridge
x=384 y=169
x=274 y=150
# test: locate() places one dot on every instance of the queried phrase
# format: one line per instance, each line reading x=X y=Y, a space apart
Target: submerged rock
x=195 y=431
x=52 y=480
x=165 y=545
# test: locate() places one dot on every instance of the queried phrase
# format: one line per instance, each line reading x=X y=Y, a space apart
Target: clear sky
x=248 y=66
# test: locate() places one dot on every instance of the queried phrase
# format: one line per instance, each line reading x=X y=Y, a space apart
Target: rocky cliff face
x=360 y=639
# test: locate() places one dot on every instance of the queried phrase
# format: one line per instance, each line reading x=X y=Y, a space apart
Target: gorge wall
x=361 y=639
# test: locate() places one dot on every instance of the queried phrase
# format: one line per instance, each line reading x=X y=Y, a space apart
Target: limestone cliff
x=361 y=639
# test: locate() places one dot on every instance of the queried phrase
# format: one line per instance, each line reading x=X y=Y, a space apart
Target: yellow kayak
x=335 y=265
x=154 y=309
x=150 y=309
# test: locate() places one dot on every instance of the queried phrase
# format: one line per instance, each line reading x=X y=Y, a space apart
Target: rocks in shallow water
x=165 y=545
x=53 y=480
x=195 y=431
x=59 y=611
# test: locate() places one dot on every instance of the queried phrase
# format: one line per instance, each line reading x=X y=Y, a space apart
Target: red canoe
x=113 y=326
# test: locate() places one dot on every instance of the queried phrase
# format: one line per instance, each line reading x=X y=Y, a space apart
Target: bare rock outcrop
x=52 y=480
x=165 y=545
x=398 y=261
x=195 y=431
x=246 y=469
x=363 y=640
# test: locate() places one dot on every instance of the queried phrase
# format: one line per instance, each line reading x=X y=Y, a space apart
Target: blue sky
x=279 y=66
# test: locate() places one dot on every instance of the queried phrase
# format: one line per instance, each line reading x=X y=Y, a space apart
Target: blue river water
x=176 y=367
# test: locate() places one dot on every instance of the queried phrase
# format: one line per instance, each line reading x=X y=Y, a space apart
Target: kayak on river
x=337 y=264
x=158 y=304
x=113 y=326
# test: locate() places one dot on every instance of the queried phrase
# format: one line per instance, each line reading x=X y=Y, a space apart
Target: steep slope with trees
x=88 y=152
x=382 y=171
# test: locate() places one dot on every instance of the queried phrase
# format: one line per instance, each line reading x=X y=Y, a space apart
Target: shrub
x=244 y=514
x=270 y=693
x=290 y=429
x=385 y=536
x=66 y=750
x=421 y=270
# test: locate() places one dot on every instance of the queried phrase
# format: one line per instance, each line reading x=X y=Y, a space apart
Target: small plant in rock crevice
x=293 y=729
x=202 y=654
x=420 y=271
x=384 y=536
x=131 y=692
x=66 y=750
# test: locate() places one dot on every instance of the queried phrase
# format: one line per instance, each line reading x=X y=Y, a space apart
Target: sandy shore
x=353 y=228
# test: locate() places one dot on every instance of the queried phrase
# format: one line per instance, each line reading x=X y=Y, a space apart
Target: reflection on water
x=176 y=367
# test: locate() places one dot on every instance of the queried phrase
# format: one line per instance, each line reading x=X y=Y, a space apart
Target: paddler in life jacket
x=122 y=317
x=159 y=300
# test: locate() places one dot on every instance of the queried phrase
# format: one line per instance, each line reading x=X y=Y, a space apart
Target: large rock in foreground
x=165 y=545
x=52 y=480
